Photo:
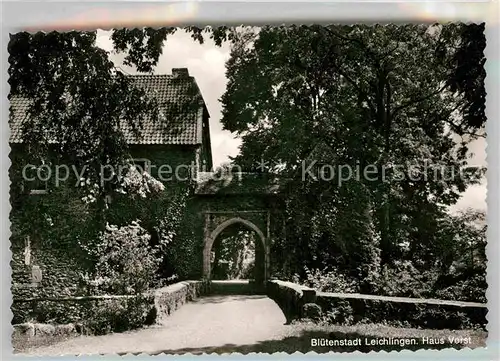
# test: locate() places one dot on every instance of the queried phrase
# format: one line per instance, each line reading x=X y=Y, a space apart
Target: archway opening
x=237 y=253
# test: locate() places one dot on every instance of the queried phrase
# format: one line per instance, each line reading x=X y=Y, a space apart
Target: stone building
x=180 y=141
x=182 y=137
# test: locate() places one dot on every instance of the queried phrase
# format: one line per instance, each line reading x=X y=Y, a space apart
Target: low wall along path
x=427 y=313
x=194 y=314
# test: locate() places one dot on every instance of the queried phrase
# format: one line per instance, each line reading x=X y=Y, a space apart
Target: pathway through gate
x=206 y=323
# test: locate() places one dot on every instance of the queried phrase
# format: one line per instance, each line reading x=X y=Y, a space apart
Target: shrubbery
x=118 y=315
x=327 y=280
x=46 y=312
x=463 y=285
x=343 y=314
x=454 y=268
x=126 y=262
x=160 y=211
x=403 y=279
x=91 y=316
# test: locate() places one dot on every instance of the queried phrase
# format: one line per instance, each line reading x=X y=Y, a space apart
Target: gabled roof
x=181 y=108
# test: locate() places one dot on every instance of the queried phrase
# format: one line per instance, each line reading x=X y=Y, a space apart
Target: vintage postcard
x=248 y=189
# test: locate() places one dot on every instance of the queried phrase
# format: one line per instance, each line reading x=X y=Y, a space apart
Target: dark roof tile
x=181 y=104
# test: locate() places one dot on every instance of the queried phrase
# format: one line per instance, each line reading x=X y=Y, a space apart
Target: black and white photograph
x=240 y=189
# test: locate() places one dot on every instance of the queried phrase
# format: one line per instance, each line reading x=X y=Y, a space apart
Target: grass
x=301 y=334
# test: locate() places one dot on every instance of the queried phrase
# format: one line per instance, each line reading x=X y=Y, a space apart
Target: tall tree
x=376 y=96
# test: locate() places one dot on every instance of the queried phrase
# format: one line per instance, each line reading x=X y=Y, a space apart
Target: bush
x=119 y=315
x=47 y=312
x=137 y=183
x=126 y=263
x=327 y=281
x=342 y=314
x=467 y=285
x=402 y=279
x=160 y=211
x=96 y=316
x=311 y=311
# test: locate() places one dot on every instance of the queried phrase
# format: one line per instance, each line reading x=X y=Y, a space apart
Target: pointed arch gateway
x=211 y=236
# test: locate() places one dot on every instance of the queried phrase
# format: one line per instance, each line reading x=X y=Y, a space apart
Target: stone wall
x=425 y=313
x=73 y=309
x=296 y=302
x=78 y=309
x=290 y=297
x=50 y=319
x=59 y=318
x=170 y=298
x=60 y=275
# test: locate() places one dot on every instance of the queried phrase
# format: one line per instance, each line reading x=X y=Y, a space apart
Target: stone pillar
x=206 y=247
x=206 y=259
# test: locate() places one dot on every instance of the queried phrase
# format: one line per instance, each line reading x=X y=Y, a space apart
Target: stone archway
x=210 y=238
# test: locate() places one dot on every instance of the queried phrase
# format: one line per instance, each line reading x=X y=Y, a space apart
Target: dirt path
x=208 y=322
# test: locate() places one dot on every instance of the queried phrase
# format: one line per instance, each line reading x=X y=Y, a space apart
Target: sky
x=206 y=62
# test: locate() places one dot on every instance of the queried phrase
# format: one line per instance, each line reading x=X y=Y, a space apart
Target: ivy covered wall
x=60 y=269
x=184 y=253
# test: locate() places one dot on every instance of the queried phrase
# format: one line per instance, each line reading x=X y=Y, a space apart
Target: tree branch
x=418 y=100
